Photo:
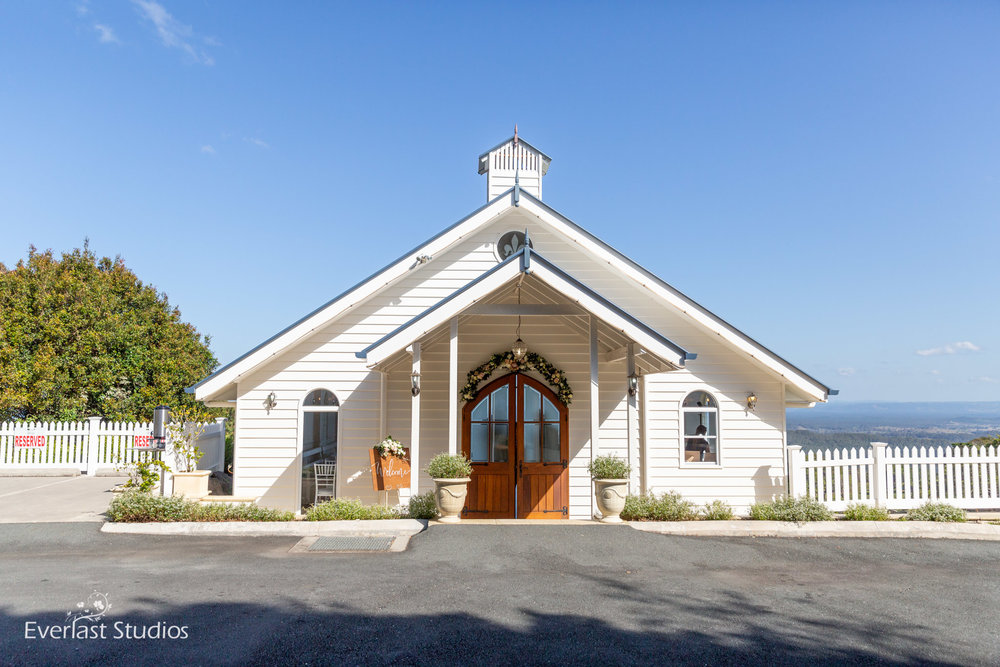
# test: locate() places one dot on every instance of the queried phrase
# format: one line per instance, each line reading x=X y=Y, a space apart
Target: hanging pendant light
x=519 y=348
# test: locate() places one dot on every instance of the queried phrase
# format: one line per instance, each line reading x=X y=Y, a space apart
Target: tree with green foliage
x=82 y=336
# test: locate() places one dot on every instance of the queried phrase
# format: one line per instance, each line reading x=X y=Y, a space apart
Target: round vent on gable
x=509 y=244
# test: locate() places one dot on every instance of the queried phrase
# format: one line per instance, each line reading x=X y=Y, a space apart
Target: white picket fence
x=897 y=477
x=93 y=444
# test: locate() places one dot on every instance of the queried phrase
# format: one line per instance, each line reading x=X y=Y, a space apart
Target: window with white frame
x=700 y=419
x=320 y=412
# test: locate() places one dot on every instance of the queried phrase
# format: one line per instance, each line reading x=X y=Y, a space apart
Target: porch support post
x=415 y=426
x=595 y=399
x=633 y=419
x=383 y=405
x=453 y=388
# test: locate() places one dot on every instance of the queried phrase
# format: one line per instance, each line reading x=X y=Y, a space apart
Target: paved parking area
x=488 y=595
x=48 y=499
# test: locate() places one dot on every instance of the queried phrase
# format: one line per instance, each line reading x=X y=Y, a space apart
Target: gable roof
x=222 y=378
x=522 y=262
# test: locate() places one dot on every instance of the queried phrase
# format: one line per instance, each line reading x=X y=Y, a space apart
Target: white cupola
x=513 y=159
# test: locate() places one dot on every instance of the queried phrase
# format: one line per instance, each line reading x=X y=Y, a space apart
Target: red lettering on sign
x=143 y=441
x=29 y=441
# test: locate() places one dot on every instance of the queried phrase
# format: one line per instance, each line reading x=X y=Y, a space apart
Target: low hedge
x=862 y=512
x=138 y=507
x=936 y=512
x=423 y=506
x=791 y=509
x=350 y=509
x=668 y=506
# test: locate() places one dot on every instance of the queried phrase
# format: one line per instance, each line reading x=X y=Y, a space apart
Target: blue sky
x=825 y=176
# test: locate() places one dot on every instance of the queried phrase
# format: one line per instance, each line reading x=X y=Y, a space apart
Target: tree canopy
x=82 y=336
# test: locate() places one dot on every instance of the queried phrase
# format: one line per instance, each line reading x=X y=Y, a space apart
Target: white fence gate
x=897 y=477
x=92 y=445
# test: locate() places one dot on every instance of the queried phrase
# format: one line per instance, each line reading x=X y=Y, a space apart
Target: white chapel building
x=519 y=338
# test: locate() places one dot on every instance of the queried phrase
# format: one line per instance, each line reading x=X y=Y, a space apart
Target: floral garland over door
x=507 y=360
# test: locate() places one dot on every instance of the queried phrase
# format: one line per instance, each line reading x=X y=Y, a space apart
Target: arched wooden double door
x=515 y=432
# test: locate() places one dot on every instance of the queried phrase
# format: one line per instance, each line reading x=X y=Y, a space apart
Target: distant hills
x=851 y=424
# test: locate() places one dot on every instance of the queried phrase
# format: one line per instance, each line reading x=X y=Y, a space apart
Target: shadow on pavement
x=283 y=631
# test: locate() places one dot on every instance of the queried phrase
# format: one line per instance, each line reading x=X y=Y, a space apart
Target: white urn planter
x=449 y=496
x=610 y=495
x=192 y=485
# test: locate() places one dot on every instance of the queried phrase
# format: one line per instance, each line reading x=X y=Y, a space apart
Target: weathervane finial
x=515 y=134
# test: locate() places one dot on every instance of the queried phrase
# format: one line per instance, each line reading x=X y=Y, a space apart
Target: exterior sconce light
x=519 y=348
x=270 y=402
x=633 y=383
x=415 y=383
x=751 y=401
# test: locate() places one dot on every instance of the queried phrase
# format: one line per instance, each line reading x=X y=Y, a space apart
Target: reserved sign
x=143 y=441
x=29 y=441
x=390 y=473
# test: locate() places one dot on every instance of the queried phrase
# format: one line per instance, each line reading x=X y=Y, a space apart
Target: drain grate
x=342 y=543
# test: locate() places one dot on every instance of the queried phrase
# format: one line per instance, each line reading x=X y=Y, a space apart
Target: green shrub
x=423 y=506
x=669 y=506
x=791 y=509
x=936 y=512
x=862 y=512
x=239 y=512
x=449 y=466
x=609 y=467
x=717 y=510
x=135 y=507
x=348 y=509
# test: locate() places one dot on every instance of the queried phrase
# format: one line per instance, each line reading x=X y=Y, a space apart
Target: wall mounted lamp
x=633 y=383
x=270 y=402
x=415 y=383
x=751 y=401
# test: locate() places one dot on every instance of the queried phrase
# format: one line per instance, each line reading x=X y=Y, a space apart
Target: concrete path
x=48 y=499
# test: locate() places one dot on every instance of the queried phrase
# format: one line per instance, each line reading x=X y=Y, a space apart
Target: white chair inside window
x=326 y=480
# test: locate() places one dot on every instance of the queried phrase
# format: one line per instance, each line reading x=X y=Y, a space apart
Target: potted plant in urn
x=451 y=475
x=610 y=476
x=188 y=480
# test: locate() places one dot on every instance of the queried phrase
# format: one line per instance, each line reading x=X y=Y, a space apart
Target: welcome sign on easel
x=391 y=472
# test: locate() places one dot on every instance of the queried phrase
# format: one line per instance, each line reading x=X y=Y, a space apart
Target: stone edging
x=746 y=528
x=380 y=528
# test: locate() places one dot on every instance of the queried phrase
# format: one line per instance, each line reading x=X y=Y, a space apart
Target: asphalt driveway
x=55 y=499
x=505 y=594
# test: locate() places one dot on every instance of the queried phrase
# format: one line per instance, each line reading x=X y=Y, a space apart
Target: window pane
x=699 y=399
x=701 y=423
x=321 y=397
x=532 y=446
x=532 y=405
x=481 y=412
x=500 y=403
x=500 y=442
x=480 y=445
x=701 y=449
x=551 y=447
x=319 y=443
x=550 y=412
x=319 y=437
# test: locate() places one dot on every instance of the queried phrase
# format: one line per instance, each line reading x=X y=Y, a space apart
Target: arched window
x=319 y=445
x=700 y=420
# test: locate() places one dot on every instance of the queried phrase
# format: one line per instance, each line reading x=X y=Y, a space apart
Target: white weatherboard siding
x=267 y=444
